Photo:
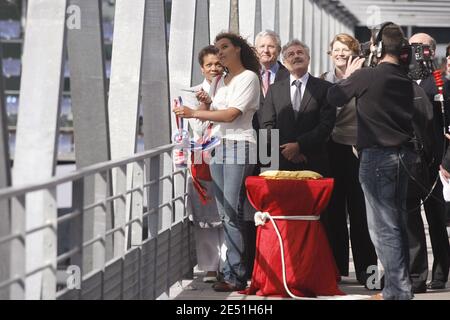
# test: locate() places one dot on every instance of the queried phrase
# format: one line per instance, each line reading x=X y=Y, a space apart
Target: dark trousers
x=348 y=198
x=435 y=212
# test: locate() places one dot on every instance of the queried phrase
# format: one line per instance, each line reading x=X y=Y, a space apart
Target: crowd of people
x=376 y=131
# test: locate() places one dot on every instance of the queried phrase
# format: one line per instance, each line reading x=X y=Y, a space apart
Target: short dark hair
x=393 y=39
x=447 y=50
x=205 y=51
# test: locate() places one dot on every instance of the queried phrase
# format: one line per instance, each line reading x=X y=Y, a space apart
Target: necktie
x=297 y=95
x=266 y=82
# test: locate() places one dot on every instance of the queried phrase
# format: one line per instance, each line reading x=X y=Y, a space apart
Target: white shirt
x=304 y=81
x=198 y=127
x=242 y=93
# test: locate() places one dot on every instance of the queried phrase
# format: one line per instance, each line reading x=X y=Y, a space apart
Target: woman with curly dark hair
x=232 y=107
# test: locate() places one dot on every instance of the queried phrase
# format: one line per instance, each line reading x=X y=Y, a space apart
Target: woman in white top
x=232 y=108
x=201 y=202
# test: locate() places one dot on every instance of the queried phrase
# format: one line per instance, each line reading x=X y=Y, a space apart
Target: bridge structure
x=125 y=234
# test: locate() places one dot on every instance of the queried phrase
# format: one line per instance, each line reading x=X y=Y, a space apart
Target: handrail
x=15 y=191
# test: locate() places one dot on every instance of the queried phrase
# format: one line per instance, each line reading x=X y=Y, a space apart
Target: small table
x=310 y=267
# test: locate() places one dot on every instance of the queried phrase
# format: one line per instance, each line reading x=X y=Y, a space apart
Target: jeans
x=229 y=171
x=384 y=181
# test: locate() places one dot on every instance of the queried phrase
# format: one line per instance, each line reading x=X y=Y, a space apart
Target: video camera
x=416 y=58
x=421 y=64
x=367 y=54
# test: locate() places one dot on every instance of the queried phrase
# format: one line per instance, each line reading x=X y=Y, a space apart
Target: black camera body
x=417 y=59
x=421 y=64
x=367 y=54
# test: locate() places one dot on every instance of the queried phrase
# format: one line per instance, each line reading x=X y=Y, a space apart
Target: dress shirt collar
x=304 y=79
x=273 y=69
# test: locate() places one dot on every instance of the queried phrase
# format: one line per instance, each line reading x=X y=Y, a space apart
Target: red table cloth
x=310 y=267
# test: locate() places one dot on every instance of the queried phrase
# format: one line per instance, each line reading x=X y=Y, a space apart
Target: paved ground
x=197 y=290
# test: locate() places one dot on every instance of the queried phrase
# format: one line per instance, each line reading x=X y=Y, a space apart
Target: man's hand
x=445 y=173
x=353 y=65
x=290 y=150
x=301 y=158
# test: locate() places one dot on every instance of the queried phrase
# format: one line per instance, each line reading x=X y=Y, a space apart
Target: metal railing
x=127 y=233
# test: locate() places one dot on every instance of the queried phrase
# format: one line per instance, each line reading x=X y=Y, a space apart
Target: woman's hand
x=203 y=97
x=353 y=65
x=184 y=112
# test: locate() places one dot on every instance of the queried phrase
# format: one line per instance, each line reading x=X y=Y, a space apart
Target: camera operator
x=434 y=206
x=385 y=99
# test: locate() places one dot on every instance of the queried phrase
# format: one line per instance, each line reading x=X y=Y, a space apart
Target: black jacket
x=312 y=127
x=281 y=74
x=429 y=86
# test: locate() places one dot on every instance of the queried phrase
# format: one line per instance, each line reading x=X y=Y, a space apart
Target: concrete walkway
x=197 y=290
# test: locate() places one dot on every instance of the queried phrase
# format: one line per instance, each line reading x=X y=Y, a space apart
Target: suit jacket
x=429 y=86
x=310 y=129
x=446 y=160
x=281 y=74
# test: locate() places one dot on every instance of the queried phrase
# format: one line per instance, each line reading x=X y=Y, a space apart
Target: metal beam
x=258 y=22
x=124 y=97
x=89 y=108
x=180 y=67
x=201 y=38
x=298 y=19
x=219 y=16
x=5 y=181
x=247 y=19
x=37 y=133
x=285 y=21
x=326 y=38
x=277 y=17
x=156 y=106
x=268 y=14
x=316 y=47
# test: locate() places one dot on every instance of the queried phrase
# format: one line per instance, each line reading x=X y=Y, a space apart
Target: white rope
x=260 y=220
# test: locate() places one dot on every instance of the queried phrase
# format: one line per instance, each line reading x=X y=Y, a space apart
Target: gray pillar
x=37 y=132
x=325 y=40
x=247 y=19
x=155 y=103
x=316 y=48
x=219 y=17
x=268 y=14
x=201 y=38
x=298 y=19
x=234 y=16
x=90 y=115
x=285 y=20
x=180 y=69
x=124 y=97
x=88 y=84
x=258 y=23
x=5 y=181
x=276 y=28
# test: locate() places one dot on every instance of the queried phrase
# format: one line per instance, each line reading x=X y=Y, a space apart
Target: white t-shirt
x=242 y=93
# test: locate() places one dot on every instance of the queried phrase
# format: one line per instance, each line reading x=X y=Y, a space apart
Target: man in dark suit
x=298 y=108
x=268 y=46
x=434 y=205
